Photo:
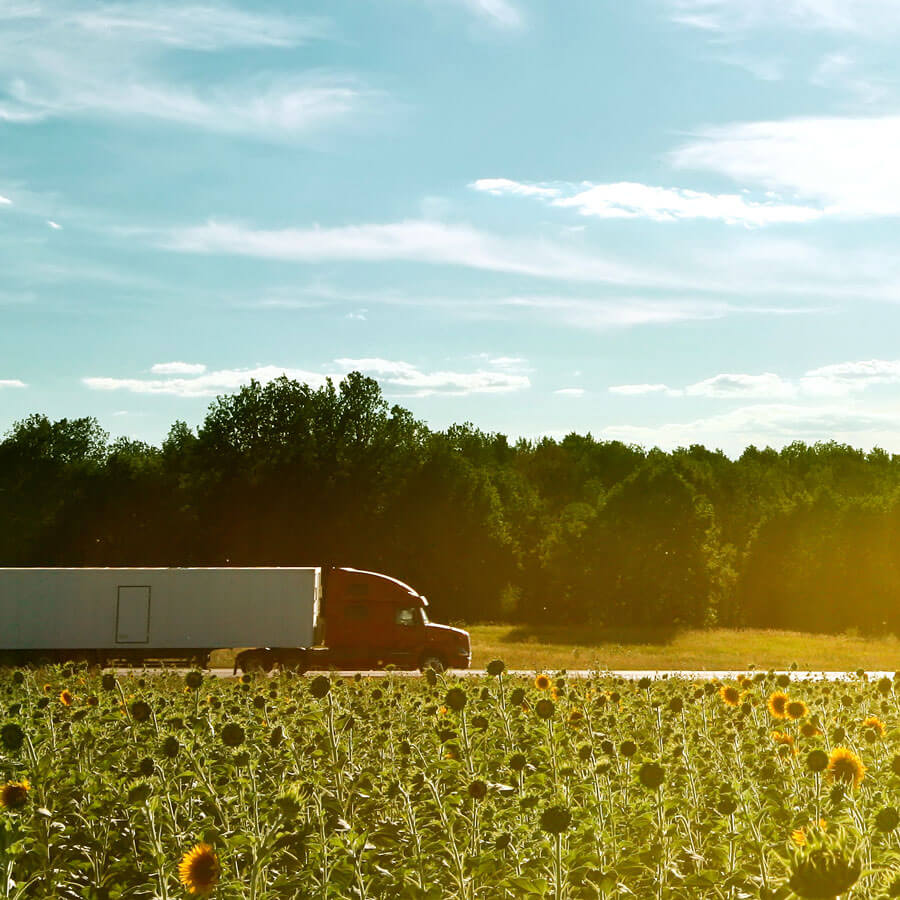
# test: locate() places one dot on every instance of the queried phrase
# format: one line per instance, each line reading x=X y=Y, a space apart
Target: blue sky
x=660 y=221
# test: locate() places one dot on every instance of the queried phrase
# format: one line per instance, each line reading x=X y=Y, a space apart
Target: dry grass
x=573 y=647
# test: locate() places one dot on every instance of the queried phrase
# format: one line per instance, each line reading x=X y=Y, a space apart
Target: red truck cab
x=371 y=620
x=365 y=620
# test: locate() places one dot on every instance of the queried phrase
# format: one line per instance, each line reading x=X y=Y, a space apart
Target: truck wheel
x=432 y=661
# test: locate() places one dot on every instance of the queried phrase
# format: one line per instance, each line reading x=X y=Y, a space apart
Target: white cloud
x=570 y=392
x=206 y=385
x=637 y=390
x=99 y=60
x=630 y=200
x=413 y=241
x=11 y=383
x=515 y=363
x=500 y=186
x=5 y=201
x=727 y=386
x=840 y=379
x=627 y=200
x=848 y=165
x=423 y=384
x=191 y=380
x=873 y=18
x=54 y=225
x=178 y=368
x=769 y=424
x=835 y=380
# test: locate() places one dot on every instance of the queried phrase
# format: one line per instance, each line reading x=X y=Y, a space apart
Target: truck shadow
x=589 y=635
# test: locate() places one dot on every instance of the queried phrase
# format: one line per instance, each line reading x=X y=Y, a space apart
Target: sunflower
x=199 y=869
x=784 y=740
x=810 y=729
x=575 y=717
x=730 y=695
x=777 y=703
x=13 y=794
x=798 y=835
x=542 y=682
x=844 y=765
x=796 y=709
x=66 y=698
x=875 y=724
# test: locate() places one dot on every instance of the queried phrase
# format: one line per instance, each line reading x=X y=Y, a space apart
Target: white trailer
x=137 y=614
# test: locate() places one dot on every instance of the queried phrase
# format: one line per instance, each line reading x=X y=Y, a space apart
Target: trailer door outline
x=133 y=614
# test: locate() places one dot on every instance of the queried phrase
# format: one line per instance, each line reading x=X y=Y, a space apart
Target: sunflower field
x=497 y=786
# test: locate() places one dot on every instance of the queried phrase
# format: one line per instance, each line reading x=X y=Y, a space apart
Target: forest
x=572 y=530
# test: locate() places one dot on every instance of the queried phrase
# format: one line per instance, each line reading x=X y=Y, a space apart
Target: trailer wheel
x=257 y=661
x=432 y=661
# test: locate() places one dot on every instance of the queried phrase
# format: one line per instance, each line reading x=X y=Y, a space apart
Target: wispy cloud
x=208 y=27
x=5 y=201
x=845 y=165
x=873 y=18
x=630 y=200
x=11 y=383
x=499 y=13
x=842 y=70
x=602 y=314
x=110 y=60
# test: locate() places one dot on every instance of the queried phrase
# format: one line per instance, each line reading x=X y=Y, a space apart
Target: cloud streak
x=412 y=241
x=630 y=200
x=500 y=13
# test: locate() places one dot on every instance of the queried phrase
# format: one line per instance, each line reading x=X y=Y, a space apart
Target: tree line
x=572 y=530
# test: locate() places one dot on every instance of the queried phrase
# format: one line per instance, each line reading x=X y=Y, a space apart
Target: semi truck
x=297 y=618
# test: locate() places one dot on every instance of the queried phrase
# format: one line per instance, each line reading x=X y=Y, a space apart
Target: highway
x=627 y=674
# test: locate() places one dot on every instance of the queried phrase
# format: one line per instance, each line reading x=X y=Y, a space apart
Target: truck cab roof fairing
x=396 y=581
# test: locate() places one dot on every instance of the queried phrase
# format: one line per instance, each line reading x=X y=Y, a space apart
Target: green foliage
x=576 y=530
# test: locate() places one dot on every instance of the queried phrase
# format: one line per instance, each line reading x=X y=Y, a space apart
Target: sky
x=665 y=222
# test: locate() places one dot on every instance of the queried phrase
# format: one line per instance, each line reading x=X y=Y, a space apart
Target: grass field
x=579 y=647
